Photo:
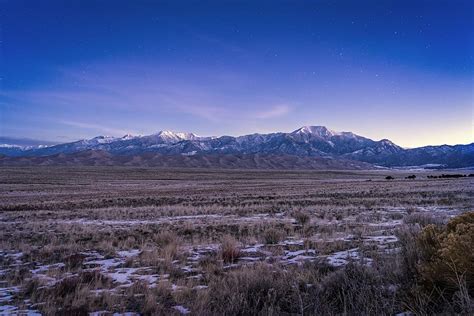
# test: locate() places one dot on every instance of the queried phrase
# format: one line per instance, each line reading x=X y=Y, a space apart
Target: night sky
x=382 y=69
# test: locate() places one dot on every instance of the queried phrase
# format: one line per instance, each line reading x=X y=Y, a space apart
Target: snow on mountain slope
x=307 y=141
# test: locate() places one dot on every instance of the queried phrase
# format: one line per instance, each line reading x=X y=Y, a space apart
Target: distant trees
x=457 y=175
x=442 y=176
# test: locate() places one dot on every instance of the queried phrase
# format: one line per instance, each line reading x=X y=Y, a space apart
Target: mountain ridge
x=306 y=141
x=217 y=161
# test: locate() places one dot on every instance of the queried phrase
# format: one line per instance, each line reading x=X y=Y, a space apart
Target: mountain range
x=309 y=147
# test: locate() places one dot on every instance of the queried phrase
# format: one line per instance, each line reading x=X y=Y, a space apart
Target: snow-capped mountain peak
x=128 y=136
x=172 y=136
x=102 y=139
x=320 y=131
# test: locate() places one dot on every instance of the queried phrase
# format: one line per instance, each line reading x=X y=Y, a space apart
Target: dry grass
x=80 y=240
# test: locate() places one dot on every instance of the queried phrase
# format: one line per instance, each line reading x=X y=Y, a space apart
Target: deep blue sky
x=382 y=69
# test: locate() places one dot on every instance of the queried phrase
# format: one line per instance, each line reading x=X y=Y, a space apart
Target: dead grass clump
x=53 y=252
x=411 y=210
x=107 y=248
x=66 y=286
x=165 y=238
x=74 y=261
x=16 y=276
x=211 y=266
x=409 y=254
x=422 y=219
x=301 y=217
x=272 y=236
x=229 y=250
x=258 y=290
x=170 y=252
x=69 y=297
x=95 y=279
x=355 y=290
x=134 y=296
x=161 y=253
x=159 y=259
x=150 y=256
x=169 y=245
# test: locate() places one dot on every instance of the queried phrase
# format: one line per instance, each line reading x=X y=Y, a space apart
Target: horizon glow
x=401 y=71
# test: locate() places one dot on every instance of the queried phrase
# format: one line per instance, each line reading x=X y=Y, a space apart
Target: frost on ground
x=125 y=268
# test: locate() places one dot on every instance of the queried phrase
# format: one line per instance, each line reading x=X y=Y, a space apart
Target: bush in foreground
x=439 y=267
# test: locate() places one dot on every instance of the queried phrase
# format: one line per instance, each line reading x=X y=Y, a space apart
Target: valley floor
x=149 y=241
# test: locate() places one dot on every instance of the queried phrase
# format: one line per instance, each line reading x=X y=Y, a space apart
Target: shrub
x=448 y=255
x=439 y=263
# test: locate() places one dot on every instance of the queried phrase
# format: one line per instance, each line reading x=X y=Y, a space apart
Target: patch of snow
x=105 y=264
x=253 y=249
x=392 y=223
x=149 y=278
x=382 y=239
x=7 y=309
x=296 y=257
x=342 y=258
x=122 y=275
x=129 y=253
x=181 y=309
x=6 y=293
x=249 y=258
x=299 y=252
x=190 y=153
x=297 y=242
x=47 y=267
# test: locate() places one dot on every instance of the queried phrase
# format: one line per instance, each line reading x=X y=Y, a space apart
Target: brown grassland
x=104 y=240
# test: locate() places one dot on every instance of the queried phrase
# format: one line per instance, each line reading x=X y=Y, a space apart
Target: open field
x=110 y=239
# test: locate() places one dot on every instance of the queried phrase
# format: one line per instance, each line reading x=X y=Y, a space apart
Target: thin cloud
x=112 y=93
x=96 y=127
x=276 y=111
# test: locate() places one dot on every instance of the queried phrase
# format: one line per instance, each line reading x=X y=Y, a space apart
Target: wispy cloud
x=107 y=99
x=273 y=112
x=98 y=128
